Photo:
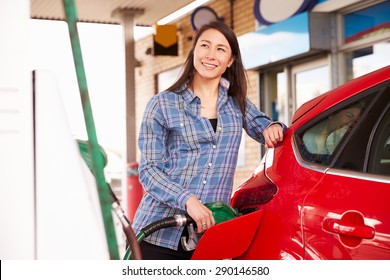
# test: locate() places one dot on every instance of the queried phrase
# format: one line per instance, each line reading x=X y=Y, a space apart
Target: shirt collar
x=224 y=83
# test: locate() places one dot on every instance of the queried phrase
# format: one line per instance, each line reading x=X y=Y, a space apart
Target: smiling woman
x=189 y=141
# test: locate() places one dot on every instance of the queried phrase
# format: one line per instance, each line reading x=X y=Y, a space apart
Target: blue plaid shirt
x=181 y=155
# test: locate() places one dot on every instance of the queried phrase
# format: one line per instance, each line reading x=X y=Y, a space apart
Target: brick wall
x=146 y=81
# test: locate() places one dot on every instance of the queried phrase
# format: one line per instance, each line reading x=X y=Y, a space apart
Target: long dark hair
x=235 y=74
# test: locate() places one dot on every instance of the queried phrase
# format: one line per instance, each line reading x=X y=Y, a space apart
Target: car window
x=365 y=148
x=379 y=156
x=348 y=135
x=320 y=140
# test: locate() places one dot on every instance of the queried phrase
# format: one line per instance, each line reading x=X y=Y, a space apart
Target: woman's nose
x=210 y=54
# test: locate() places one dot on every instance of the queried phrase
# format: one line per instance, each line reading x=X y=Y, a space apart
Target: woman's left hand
x=273 y=135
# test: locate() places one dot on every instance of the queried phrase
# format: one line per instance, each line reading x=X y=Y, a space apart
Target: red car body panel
x=310 y=211
x=340 y=223
x=225 y=242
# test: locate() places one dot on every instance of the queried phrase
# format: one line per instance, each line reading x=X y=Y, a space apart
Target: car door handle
x=348 y=229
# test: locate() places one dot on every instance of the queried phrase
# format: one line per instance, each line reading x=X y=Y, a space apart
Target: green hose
x=93 y=146
x=140 y=236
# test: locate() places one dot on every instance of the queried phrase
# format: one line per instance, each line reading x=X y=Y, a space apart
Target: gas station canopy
x=101 y=11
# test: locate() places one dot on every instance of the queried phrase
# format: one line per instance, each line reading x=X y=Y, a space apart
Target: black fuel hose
x=173 y=221
x=176 y=220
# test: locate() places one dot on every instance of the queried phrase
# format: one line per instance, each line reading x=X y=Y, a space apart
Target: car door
x=347 y=215
x=347 y=218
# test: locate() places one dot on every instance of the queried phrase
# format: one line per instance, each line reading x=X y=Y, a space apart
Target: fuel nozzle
x=183 y=219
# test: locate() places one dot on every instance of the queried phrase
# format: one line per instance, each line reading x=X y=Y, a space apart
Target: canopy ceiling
x=101 y=11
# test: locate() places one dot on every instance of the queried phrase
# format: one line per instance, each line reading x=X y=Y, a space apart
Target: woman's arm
x=152 y=145
x=260 y=127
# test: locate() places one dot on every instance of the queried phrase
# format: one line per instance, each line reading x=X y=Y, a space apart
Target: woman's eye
x=350 y=116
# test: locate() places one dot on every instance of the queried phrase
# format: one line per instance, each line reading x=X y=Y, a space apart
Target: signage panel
x=271 y=11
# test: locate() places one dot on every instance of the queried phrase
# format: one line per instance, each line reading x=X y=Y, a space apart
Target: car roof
x=341 y=93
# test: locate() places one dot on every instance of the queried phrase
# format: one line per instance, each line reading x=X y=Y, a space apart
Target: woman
x=190 y=136
x=323 y=138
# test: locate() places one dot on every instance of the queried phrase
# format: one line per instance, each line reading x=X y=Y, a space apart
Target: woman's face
x=212 y=54
x=345 y=117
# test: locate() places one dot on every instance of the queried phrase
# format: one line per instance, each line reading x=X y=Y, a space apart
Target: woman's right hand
x=273 y=135
x=202 y=215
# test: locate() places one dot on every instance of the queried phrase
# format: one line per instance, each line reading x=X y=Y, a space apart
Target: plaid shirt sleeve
x=255 y=122
x=151 y=142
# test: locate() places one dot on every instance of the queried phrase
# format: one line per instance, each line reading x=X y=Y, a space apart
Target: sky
x=103 y=56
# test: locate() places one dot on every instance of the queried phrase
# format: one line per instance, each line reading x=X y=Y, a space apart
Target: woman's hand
x=202 y=215
x=272 y=135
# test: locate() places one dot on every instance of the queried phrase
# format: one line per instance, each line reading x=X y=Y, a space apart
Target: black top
x=214 y=123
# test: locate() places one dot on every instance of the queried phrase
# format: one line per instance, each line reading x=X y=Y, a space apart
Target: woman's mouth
x=208 y=65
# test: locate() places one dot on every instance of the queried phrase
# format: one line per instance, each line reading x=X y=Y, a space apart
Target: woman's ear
x=231 y=61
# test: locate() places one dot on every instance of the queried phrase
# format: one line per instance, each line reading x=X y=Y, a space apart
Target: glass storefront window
x=311 y=83
x=167 y=78
x=365 y=60
x=367 y=22
x=280 y=105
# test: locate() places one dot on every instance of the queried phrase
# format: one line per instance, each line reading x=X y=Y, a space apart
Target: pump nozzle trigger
x=193 y=239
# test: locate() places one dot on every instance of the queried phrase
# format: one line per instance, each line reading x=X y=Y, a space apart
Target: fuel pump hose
x=176 y=220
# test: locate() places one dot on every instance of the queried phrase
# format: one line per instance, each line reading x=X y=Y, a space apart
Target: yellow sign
x=166 y=35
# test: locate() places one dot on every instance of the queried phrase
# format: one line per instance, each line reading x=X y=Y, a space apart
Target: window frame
x=382 y=120
x=376 y=92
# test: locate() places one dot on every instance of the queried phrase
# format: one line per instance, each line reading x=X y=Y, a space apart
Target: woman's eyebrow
x=208 y=41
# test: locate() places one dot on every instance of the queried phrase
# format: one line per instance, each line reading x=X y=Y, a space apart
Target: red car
x=324 y=192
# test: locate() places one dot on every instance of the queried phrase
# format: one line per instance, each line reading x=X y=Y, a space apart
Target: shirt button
x=219 y=128
x=204 y=182
x=214 y=146
x=181 y=124
x=210 y=164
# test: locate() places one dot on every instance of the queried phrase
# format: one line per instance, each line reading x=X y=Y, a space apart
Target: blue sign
x=276 y=42
x=371 y=20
